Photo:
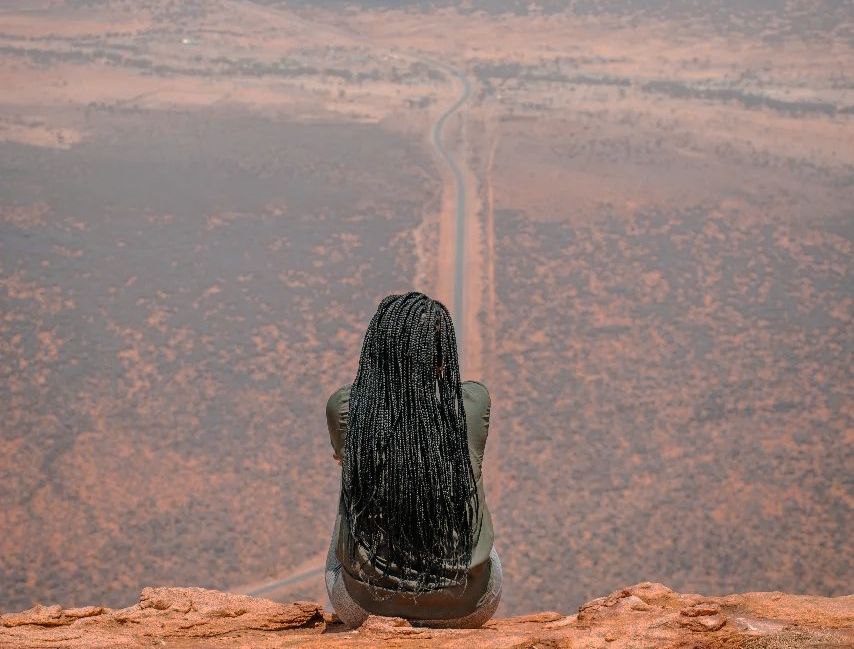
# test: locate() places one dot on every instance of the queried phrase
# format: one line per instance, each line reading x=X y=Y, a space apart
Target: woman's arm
x=337 y=410
x=478 y=404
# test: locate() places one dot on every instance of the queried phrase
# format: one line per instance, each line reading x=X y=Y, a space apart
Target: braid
x=409 y=492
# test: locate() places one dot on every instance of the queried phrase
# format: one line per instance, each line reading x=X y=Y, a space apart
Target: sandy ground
x=197 y=223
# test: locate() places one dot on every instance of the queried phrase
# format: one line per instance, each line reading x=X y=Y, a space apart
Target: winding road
x=296 y=578
x=436 y=138
x=460 y=231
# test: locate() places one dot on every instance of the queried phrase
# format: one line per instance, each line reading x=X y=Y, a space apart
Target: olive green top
x=443 y=603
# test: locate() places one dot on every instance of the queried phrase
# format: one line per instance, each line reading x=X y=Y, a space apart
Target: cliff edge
x=643 y=615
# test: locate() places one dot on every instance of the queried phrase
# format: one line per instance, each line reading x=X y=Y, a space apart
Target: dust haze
x=640 y=212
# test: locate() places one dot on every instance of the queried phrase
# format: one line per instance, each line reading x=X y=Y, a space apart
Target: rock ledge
x=640 y=616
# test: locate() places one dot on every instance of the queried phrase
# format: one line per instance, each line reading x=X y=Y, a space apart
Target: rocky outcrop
x=646 y=615
x=160 y=614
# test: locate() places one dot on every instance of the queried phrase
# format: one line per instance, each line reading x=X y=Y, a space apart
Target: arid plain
x=201 y=204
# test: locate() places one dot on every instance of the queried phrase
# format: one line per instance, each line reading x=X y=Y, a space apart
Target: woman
x=413 y=536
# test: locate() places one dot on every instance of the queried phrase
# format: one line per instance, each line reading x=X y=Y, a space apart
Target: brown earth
x=641 y=616
x=201 y=204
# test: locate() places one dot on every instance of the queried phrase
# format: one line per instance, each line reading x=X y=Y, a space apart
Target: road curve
x=436 y=133
x=279 y=583
x=436 y=140
x=459 y=252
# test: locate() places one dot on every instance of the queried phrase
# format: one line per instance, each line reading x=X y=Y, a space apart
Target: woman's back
x=387 y=592
x=413 y=536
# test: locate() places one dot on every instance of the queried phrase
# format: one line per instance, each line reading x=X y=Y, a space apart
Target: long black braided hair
x=408 y=487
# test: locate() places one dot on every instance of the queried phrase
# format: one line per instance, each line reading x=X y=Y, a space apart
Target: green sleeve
x=478 y=405
x=337 y=409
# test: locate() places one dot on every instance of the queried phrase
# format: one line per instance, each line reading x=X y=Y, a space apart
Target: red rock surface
x=644 y=615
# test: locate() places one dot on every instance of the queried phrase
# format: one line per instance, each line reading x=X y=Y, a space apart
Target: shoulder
x=477 y=390
x=337 y=399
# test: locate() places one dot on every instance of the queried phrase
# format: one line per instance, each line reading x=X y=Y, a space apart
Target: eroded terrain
x=201 y=204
